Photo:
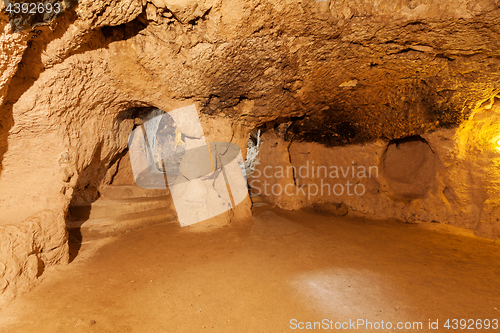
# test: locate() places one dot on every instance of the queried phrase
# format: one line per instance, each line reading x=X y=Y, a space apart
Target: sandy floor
x=261 y=277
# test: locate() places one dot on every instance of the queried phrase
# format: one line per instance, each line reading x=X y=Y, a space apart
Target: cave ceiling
x=337 y=72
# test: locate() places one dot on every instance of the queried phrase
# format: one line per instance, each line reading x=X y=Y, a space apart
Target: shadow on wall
x=6 y=123
x=85 y=193
x=73 y=224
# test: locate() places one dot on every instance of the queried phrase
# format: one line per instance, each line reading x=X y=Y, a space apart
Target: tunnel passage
x=409 y=167
x=379 y=73
x=107 y=201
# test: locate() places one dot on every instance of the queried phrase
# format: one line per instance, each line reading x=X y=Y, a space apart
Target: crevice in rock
x=123 y=31
x=89 y=179
x=41 y=267
x=31 y=66
x=6 y=123
x=118 y=160
x=294 y=173
x=202 y=17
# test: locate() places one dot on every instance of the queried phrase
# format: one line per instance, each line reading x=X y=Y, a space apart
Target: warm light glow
x=350 y=293
x=498 y=144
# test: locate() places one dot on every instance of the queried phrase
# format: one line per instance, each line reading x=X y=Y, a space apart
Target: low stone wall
x=434 y=178
x=27 y=248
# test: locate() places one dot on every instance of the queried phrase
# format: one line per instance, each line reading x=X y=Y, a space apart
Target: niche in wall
x=409 y=167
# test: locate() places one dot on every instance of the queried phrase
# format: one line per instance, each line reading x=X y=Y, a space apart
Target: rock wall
x=341 y=72
x=446 y=176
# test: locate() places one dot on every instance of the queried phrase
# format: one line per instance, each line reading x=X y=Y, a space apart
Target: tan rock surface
x=343 y=72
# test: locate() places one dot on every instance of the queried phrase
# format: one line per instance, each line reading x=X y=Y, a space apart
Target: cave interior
x=249 y=165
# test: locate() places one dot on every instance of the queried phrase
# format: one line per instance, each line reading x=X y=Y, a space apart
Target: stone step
x=256 y=199
x=112 y=226
x=104 y=208
x=128 y=191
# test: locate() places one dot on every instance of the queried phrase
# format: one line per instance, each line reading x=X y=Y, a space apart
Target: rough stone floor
x=262 y=276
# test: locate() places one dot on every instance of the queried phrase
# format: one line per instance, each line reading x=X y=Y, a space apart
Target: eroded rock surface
x=338 y=73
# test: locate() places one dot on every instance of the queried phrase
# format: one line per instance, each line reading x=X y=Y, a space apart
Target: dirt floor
x=279 y=273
